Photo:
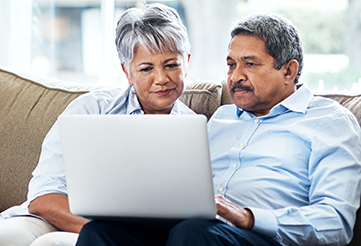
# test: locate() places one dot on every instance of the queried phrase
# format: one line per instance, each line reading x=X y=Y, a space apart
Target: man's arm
x=54 y=208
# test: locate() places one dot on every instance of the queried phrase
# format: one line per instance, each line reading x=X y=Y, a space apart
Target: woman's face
x=158 y=79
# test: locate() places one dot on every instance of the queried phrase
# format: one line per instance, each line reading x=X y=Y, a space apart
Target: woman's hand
x=240 y=217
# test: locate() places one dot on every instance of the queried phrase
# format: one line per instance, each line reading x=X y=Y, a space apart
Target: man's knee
x=90 y=232
x=22 y=230
x=94 y=227
x=192 y=225
x=192 y=230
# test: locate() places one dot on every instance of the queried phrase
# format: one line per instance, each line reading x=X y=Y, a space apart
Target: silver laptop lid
x=139 y=166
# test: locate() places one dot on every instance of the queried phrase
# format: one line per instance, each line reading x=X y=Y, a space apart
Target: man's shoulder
x=328 y=105
x=328 y=112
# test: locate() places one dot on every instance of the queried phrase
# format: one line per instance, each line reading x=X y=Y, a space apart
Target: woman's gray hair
x=156 y=27
x=281 y=38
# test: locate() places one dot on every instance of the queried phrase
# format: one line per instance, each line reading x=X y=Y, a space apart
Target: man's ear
x=291 y=70
x=126 y=74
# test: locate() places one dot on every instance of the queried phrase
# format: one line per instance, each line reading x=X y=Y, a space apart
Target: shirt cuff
x=265 y=222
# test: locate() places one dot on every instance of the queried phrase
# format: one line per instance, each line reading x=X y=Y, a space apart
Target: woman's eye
x=173 y=65
x=146 y=69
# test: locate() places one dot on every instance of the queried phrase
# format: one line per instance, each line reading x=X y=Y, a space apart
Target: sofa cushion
x=203 y=97
x=27 y=111
x=226 y=96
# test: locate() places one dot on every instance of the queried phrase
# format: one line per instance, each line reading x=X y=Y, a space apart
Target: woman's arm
x=54 y=208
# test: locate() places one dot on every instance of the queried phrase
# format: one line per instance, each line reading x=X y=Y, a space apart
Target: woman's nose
x=160 y=77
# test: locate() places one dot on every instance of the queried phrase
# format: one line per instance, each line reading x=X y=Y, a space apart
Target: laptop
x=138 y=166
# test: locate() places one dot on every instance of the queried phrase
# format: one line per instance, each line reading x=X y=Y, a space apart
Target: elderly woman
x=154 y=51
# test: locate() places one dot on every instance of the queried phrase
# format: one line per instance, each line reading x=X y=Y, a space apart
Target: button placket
x=235 y=155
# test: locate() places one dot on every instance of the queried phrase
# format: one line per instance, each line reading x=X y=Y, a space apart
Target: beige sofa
x=29 y=106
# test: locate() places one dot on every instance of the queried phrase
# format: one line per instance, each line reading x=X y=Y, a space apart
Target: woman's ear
x=189 y=57
x=291 y=70
x=126 y=74
x=187 y=63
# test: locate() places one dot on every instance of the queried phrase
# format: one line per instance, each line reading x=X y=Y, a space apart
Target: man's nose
x=238 y=75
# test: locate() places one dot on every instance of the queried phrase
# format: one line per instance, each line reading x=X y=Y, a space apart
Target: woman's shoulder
x=181 y=108
x=108 y=93
x=98 y=101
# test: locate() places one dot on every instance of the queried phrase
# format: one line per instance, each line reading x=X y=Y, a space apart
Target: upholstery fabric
x=27 y=111
x=226 y=97
x=203 y=97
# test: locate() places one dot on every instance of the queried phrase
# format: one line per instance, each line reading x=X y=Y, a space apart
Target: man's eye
x=250 y=64
x=231 y=65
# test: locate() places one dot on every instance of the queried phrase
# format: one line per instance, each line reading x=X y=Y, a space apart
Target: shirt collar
x=176 y=109
x=296 y=102
x=299 y=100
x=134 y=105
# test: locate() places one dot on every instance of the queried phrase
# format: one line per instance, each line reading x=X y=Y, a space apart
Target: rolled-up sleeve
x=49 y=175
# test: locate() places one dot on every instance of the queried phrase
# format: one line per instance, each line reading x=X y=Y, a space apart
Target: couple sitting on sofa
x=277 y=153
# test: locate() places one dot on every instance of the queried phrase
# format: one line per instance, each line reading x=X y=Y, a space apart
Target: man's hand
x=55 y=209
x=240 y=217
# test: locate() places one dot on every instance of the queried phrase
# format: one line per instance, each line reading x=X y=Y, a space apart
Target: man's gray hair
x=157 y=27
x=281 y=38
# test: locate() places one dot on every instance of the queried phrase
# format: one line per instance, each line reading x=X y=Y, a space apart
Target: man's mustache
x=239 y=85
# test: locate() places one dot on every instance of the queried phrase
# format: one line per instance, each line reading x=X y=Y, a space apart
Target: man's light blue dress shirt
x=49 y=175
x=297 y=168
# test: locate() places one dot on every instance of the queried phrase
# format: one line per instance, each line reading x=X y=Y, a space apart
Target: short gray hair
x=281 y=38
x=156 y=27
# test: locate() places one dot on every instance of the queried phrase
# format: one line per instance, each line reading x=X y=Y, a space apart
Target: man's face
x=255 y=85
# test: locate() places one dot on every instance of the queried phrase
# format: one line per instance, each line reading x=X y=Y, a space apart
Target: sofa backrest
x=27 y=111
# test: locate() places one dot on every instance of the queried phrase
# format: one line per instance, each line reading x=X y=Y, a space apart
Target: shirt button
x=256 y=120
x=241 y=144
x=234 y=165
x=220 y=189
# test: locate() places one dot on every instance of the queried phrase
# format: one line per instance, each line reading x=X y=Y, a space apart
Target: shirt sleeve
x=49 y=175
x=334 y=193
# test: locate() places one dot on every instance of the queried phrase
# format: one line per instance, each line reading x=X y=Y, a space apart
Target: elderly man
x=284 y=173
